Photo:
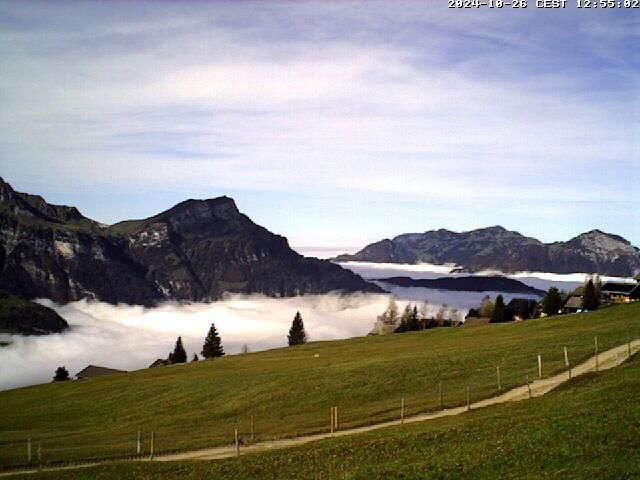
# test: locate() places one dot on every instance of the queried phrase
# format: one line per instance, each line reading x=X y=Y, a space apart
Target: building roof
x=159 y=363
x=96 y=371
x=619 y=288
x=574 y=302
x=523 y=307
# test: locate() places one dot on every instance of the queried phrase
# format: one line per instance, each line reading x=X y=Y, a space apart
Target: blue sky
x=333 y=123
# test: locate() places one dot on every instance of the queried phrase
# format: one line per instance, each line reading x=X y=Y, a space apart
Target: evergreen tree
x=179 y=354
x=551 y=303
x=405 y=320
x=590 y=300
x=195 y=358
x=212 y=347
x=414 y=319
x=62 y=375
x=500 y=313
x=297 y=335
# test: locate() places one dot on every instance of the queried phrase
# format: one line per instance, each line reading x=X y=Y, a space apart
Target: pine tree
x=179 y=354
x=551 y=303
x=500 y=312
x=414 y=319
x=405 y=320
x=590 y=299
x=212 y=347
x=195 y=358
x=297 y=335
x=62 y=375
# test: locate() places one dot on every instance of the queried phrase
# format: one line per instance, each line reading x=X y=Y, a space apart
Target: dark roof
x=95 y=371
x=522 y=307
x=574 y=302
x=621 y=288
x=159 y=363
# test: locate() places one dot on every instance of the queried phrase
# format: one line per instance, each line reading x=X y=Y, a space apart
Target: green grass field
x=585 y=429
x=290 y=391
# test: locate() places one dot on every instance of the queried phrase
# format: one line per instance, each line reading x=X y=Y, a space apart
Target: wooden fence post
x=498 y=377
x=39 y=455
x=528 y=386
x=629 y=347
x=566 y=357
x=29 y=450
x=139 y=444
x=468 y=398
x=152 y=446
x=336 y=418
x=402 y=410
x=252 y=428
x=596 y=347
x=539 y=366
x=332 y=420
x=237 y=443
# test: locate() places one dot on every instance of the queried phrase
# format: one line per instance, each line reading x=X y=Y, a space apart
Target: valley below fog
x=132 y=337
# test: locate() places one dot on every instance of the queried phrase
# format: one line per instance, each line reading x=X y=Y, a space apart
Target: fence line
x=45 y=446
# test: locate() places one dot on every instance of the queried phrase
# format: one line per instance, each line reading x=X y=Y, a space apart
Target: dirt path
x=606 y=360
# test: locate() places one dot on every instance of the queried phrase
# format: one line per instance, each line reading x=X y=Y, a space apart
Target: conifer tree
x=297 y=335
x=500 y=313
x=195 y=358
x=405 y=320
x=551 y=303
x=590 y=299
x=212 y=347
x=179 y=354
x=62 y=375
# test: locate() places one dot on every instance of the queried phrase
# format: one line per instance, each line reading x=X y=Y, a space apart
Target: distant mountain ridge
x=195 y=251
x=496 y=248
x=474 y=283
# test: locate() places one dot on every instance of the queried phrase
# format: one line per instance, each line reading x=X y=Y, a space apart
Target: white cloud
x=132 y=337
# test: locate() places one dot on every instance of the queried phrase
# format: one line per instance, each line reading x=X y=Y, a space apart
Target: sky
x=332 y=123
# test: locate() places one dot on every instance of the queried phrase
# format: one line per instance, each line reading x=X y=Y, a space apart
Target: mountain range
x=195 y=251
x=496 y=248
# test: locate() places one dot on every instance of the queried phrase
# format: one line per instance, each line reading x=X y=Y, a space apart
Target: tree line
x=413 y=318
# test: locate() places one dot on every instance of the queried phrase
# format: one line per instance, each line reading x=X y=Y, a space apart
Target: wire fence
x=456 y=388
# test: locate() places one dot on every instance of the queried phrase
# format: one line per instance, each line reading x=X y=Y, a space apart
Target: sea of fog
x=131 y=337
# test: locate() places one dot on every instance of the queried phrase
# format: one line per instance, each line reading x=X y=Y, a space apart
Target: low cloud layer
x=132 y=337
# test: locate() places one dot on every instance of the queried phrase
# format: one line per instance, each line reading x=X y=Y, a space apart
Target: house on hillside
x=573 y=304
x=616 y=292
x=96 y=371
x=521 y=308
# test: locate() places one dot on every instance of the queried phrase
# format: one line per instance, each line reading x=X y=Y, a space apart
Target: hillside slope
x=290 y=391
x=586 y=429
x=28 y=318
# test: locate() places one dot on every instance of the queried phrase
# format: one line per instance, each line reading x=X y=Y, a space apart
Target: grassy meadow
x=290 y=391
x=587 y=428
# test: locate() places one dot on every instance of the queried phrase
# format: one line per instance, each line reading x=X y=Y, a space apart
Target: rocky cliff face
x=495 y=248
x=195 y=251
